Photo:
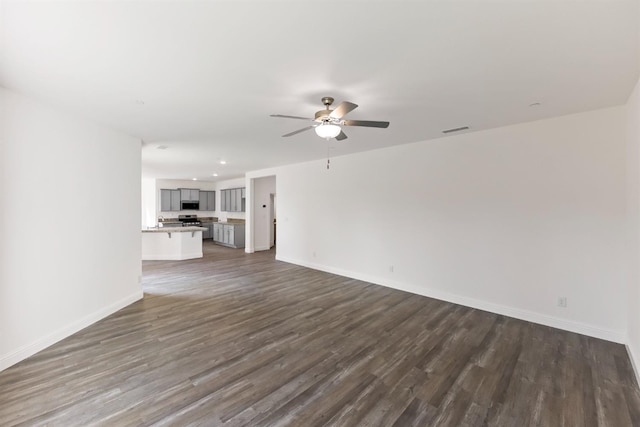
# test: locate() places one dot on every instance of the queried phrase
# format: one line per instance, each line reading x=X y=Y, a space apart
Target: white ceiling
x=201 y=78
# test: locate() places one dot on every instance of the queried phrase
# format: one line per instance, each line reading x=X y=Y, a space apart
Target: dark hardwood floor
x=237 y=339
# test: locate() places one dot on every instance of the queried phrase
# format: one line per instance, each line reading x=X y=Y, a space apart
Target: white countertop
x=174 y=229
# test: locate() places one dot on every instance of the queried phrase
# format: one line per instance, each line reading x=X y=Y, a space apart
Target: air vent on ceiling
x=455 y=129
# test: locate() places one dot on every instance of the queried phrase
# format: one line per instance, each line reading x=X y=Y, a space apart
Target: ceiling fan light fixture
x=328 y=123
x=328 y=130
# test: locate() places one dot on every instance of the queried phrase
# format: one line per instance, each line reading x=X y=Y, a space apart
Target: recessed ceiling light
x=194 y=179
x=223 y=162
x=215 y=174
x=162 y=147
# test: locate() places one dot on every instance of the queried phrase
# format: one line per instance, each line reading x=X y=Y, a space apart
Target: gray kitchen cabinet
x=189 y=195
x=228 y=234
x=232 y=200
x=227 y=199
x=239 y=200
x=207 y=200
x=169 y=200
x=211 y=200
x=224 y=206
x=175 y=200
x=224 y=235
x=171 y=224
x=208 y=233
x=238 y=237
x=165 y=200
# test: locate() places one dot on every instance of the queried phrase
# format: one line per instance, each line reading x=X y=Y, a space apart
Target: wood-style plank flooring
x=240 y=339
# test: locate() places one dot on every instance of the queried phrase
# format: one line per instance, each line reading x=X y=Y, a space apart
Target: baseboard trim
x=176 y=257
x=631 y=355
x=44 y=342
x=530 y=316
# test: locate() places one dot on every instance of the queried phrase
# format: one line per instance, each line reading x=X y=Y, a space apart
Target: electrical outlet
x=562 y=302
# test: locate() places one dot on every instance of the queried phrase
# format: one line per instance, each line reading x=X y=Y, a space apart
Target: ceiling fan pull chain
x=328 y=158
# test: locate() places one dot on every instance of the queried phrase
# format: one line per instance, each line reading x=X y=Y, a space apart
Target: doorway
x=264 y=213
x=272 y=220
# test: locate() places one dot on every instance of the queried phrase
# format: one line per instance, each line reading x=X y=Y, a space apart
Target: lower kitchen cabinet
x=228 y=234
x=208 y=233
x=216 y=232
x=171 y=224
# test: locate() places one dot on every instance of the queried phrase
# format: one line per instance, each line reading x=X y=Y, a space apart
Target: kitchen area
x=226 y=229
x=186 y=216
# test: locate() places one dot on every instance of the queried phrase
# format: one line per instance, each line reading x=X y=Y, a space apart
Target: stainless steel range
x=189 y=220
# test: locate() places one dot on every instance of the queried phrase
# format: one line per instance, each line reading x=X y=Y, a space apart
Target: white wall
x=150 y=202
x=633 y=213
x=60 y=274
x=506 y=220
x=633 y=232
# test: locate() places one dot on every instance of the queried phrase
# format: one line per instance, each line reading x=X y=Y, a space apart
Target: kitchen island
x=172 y=243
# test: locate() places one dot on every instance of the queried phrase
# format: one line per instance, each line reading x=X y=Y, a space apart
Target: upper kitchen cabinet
x=211 y=200
x=169 y=200
x=207 y=200
x=227 y=200
x=240 y=201
x=189 y=195
x=232 y=200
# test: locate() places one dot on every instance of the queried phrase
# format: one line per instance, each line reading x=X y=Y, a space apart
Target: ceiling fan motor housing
x=327 y=100
x=323 y=115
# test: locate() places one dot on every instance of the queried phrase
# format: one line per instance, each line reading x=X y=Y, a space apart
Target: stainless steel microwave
x=185 y=206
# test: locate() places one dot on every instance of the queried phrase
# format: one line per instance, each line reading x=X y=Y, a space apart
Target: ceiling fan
x=329 y=121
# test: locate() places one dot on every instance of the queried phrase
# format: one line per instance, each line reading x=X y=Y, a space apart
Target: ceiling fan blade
x=341 y=136
x=290 y=117
x=343 y=109
x=366 y=123
x=299 y=130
